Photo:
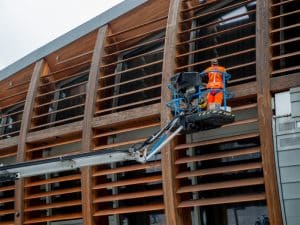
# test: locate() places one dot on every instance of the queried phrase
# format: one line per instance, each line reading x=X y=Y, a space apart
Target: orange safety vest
x=215 y=79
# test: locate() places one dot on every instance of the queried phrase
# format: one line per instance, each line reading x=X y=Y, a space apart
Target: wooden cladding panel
x=52 y=197
x=12 y=99
x=225 y=163
x=130 y=72
x=7 y=189
x=54 y=146
x=205 y=36
x=126 y=187
x=285 y=37
x=61 y=96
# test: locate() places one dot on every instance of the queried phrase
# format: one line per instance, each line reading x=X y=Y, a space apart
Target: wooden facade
x=107 y=90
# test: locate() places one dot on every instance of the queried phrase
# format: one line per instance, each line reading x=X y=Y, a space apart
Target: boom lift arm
x=188 y=118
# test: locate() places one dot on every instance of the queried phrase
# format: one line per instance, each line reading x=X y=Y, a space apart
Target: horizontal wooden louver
x=130 y=73
x=61 y=96
x=214 y=164
x=54 y=147
x=12 y=101
x=126 y=187
x=285 y=37
x=226 y=33
x=7 y=189
x=53 y=197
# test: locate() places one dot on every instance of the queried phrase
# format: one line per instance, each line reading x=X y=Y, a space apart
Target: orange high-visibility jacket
x=215 y=79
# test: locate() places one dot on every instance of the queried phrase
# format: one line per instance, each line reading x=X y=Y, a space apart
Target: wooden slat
x=59 y=100
x=285 y=55
x=221 y=185
x=220 y=170
x=136 y=46
x=217 y=141
x=223 y=200
x=14 y=95
x=285 y=14
x=130 y=209
x=64 y=78
x=285 y=70
x=53 y=145
x=73 y=152
x=63 y=217
x=239 y=27
x=218 y=155
x=149 y=165
x=282 y=3
x=142 y=180
x=67 y=68
x=242 y=79
x=248 y=13
x=126 y=130
x=235 y=54
x=222 y=9
x=7 y=155
x=61 y=89
x=241 y=122
x=56 y=122
x=130 y=93
x=6 y=212
x=285 y=28
x=284 y=83
x=131 y=69
x=9 y=134
x=129 y=105
x=137 y=26
x=13 y=104
x=144 y=34
x=52 y=193
x=74 y=57
x=241 y=66
x=131 y=58
x=286 y=41
x=53 y=180
x=6 y=200
x=244 y=107
x=114 y=145
x=217 y=45
x=129 y=81
x=126 y=196
x=10 y=114
x=7 y=188
x=7 y=223
x=8 y=124
x=52 y=206
x=198 y=6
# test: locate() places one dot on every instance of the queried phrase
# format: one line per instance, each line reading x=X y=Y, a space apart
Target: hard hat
x=214 y=62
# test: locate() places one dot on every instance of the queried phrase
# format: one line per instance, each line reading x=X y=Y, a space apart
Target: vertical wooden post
x=263 y=71
x=167 y=155
x=25 y=125
x=87 y=133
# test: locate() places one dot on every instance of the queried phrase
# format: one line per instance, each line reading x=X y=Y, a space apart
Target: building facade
x=107 y=89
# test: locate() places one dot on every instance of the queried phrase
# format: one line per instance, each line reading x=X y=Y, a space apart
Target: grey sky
x=29 y=24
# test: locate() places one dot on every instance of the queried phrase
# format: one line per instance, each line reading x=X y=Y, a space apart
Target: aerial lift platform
x=189 y=117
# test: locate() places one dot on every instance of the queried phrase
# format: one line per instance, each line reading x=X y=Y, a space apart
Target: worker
x=215 y=85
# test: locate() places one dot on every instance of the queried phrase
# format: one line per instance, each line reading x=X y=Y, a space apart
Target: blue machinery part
x=180 y=100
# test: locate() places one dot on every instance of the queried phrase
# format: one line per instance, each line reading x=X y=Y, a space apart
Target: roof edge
x=71 y=36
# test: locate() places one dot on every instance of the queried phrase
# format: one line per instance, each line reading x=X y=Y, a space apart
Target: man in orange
x=215 y=84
